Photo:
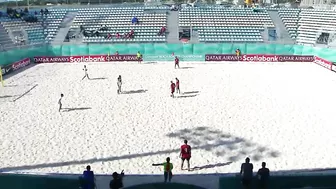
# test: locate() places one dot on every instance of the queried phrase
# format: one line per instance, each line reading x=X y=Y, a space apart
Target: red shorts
x=185 y=157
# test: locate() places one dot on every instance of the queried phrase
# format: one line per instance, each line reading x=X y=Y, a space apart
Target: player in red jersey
x=185 y=154
x=172 y=88
x=177 y=62
x=177 y=86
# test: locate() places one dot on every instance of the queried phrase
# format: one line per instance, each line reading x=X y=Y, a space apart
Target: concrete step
x=172 y=27
x=281 y=30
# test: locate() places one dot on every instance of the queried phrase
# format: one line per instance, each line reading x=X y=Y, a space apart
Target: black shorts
x=246 y=182
x=185 y=158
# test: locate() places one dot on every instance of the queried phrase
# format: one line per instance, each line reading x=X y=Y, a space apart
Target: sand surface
x=278 y=113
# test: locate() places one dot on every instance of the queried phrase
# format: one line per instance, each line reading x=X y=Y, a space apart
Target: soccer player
x=88 y=178
x=138 y=56
x=172 y=88
x=177 y=62
x=246 y=172
x=177 y=86
x=86 y=74
x=167 y=168
x=263 y=176
x=119 y=83
x=185 y=154
x=60 y=103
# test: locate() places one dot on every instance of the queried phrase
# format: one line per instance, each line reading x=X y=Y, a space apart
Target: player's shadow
x=190 y=92
x=186 y=96
x=186 y=67
x=98 y=78
x=209 y=166
x=8 y=96
x=232 y=148
x=75 y=109
x=134 y=91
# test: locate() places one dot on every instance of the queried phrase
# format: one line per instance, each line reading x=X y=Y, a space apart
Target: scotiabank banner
x=85 y=58
x=20 y=64
x=258 y=58
x=323 y=62
x=15 y=66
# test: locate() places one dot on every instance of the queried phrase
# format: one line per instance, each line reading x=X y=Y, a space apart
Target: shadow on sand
x=134 y=91
x=75 y=109
x=210 y=166
x=191 y=92
x=99 y=78
x=8 y=96
x=187 y=96
x=186 y=67
x=24 y=94
x=207 y=139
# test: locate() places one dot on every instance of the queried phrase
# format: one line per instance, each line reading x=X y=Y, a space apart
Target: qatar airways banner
x=85 y=58
x=324 y=63
x=258 y=58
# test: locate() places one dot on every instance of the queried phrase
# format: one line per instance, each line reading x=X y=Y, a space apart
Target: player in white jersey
x=60 y=103
x=86 y=73
x=119 y=83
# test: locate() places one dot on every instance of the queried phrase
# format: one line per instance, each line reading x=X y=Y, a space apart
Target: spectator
x=246 y=172
x=135 y=20
x=238 y=52
x=132 y=33
x=35 y=13
x=88 y=178
x=116 y=53
x=46 y=11
x=42 y=12
x=109 y=36
x=162 y=30
x=167 y=169
x=117 y=35
x=263 y=176
x=116 y=182
x=173 y=8
x=139 y=57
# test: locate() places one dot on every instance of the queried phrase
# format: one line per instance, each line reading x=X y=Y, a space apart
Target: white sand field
x=281 y=113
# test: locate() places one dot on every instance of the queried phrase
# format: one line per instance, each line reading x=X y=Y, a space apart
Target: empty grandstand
x=217 y=24
x=316 y=26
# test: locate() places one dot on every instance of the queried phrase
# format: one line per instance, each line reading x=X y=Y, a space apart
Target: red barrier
x=20 y=64
x=323 y=62
x=258 y=58
x=85 y=58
